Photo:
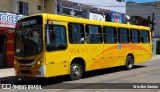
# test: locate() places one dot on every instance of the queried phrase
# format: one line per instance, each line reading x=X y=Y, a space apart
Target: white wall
x=95 y=16
x=112 y=5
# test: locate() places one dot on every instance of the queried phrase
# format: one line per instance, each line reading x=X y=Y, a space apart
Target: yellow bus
x=48 y=45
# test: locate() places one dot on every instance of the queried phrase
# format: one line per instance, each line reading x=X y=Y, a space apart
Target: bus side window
x=57 y=37
x=76 y=33
x=52 y=34
x=144 y=36
x=110 y=34
x=94 y=34
x=135 y=36
x=123 y=35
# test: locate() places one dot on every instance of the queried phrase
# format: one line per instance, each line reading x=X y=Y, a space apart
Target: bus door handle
x=110 y=57
x=119 y=57
x=50 y=62
x=63 y=61
x=93 y=58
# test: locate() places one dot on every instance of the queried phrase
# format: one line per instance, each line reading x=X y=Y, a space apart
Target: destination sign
x=30 y=21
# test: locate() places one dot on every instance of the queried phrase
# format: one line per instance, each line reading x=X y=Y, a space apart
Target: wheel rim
x=130 y=63
x=75 y=71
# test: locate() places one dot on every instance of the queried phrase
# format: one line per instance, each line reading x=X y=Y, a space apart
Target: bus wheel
x=129 y=62
x=76 y=71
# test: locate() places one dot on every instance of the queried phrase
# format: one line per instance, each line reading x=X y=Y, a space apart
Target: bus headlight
x=15 y=64
x=40 y=61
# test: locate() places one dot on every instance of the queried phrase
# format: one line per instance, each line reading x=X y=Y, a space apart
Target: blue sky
x=142 y=1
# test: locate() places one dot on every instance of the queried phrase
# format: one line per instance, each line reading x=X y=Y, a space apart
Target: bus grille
x=24 y=66
x=25 y=71
x=25 y=61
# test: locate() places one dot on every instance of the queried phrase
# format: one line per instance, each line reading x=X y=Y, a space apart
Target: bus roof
x=54 y=17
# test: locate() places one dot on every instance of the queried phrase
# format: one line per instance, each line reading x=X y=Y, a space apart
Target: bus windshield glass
x=28 y=38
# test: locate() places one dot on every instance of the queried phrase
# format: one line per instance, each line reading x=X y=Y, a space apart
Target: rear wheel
x=76 y=71
x=129 y=62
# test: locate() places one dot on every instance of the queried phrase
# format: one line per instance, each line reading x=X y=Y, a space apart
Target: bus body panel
x=95 y=56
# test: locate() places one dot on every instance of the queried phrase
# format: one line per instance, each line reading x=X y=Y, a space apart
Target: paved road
x=148 y=72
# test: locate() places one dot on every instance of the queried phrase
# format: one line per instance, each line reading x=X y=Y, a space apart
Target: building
x=104 y=10
x=12 y=10
x=151 y=12
x=7 y=25
x=28 y=7
x=146 y=10
x=156 y=45
x=79 y=8
x=112 y=10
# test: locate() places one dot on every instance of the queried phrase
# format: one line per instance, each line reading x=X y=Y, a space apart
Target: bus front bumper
x=31 y=72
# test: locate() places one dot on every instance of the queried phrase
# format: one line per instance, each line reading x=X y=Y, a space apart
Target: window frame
x=23 y=7
x=82 y=33
x=131 y=36
x=105 y=35
x=128 y=35
x=145 y=36
x=56 y=48
x=88 y=35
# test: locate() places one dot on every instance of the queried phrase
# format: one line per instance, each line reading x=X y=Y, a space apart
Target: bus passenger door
x=57 y=53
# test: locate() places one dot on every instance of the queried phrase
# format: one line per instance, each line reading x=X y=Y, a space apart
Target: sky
x=142 y=1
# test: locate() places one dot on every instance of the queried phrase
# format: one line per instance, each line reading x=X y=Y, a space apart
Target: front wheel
x=76 y=71
x=129 y=62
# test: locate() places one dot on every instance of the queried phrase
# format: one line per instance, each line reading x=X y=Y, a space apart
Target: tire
x=76 y=71
x=129 y=62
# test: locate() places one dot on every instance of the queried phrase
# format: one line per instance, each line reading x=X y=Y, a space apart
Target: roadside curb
x=155 y=57
x=7 y=72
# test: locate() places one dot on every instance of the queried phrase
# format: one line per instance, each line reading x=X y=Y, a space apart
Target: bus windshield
x=28 y=36
x=28 y=41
